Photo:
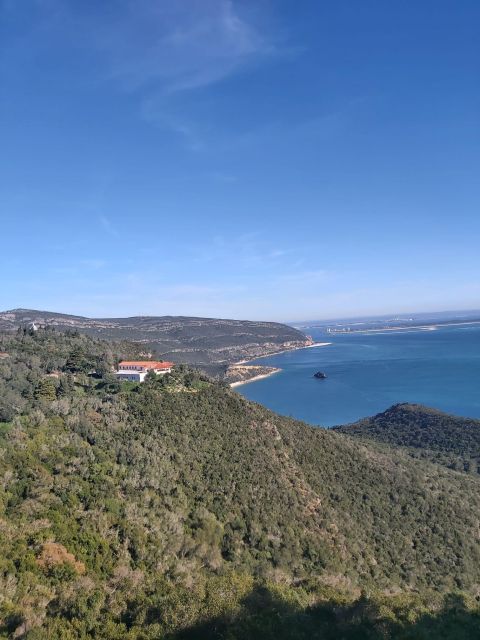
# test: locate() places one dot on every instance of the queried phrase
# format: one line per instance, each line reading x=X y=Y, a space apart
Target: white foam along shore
x=316 y=344
x=277 y=370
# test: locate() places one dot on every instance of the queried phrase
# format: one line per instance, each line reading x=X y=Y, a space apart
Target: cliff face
x=177 y=338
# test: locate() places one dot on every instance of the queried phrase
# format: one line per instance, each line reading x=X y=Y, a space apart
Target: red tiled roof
x=148 y=364
x=164 y=365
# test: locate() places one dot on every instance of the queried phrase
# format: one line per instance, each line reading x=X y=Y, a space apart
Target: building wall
x=134 y=367
x=134 y=376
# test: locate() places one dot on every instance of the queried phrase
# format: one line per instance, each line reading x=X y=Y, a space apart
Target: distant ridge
x=193 y=340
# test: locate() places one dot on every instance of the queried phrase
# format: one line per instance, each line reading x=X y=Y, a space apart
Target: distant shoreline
x=420 y=327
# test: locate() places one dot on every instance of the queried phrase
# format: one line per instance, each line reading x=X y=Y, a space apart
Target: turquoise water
x=367 y=373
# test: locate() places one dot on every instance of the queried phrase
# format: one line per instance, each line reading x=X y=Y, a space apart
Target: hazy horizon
x=240 y=159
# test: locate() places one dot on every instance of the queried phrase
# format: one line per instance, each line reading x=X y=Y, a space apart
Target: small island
x=320 y=375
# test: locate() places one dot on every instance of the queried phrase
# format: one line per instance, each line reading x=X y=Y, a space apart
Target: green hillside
x=177 y=509
x=425 y=433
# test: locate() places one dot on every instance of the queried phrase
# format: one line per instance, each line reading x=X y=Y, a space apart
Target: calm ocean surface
x=367 y=373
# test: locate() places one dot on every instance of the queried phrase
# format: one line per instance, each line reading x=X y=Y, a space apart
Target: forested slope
x=178 y=509
x=425 y=433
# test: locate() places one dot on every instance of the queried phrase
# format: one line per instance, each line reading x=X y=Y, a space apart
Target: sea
x=369 y=372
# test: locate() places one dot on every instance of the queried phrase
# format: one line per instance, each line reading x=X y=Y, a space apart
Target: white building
x=133 y=376
x=136 y=370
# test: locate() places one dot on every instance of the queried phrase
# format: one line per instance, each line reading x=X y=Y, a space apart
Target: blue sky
x=253 y=159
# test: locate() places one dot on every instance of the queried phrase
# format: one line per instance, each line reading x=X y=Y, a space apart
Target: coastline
x=254 y=379
x=275 y=370
x=316 y=344
x=276 y=353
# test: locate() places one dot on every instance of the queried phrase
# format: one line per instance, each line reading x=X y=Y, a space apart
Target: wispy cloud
x=170 y=46
x=167 y=51
x=161 y=51
x=179 y=46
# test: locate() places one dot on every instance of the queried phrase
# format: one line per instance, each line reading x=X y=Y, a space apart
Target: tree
x=75 y=361
x=46 y=390
x=151 y=376
x=66 y=386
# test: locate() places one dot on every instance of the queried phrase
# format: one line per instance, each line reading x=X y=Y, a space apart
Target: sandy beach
x=255 y=378
x=316 y=344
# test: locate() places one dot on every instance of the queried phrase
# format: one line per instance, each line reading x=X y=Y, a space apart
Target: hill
x=200 y=341
x=177 y=509
x=425 y=433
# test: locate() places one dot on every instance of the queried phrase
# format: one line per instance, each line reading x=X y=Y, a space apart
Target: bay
x=368 y=372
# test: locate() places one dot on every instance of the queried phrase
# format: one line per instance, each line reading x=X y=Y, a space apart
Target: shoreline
x=276 y=370
x=240 y=383
x=316 y=344
x=276 y=353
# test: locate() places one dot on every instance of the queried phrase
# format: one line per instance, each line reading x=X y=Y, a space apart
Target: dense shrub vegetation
x=425 y=433
x=177 y=509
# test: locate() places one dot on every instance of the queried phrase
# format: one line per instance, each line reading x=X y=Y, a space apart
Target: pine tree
x=66 y=386
x=75 y=361
x=46 y=390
